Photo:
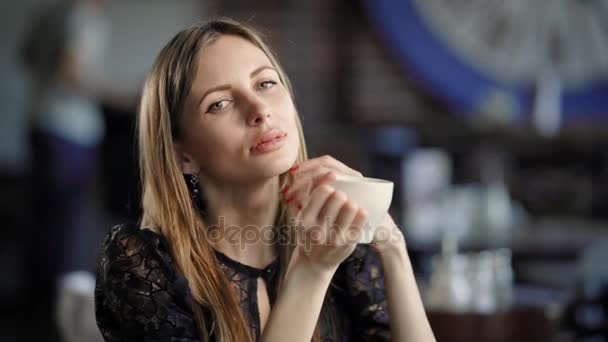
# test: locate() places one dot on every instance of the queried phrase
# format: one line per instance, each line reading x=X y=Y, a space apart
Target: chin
x=277 y=162
x=282 y=165
x=278 y=165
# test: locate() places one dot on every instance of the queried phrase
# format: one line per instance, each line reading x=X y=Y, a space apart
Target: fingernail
x=299 y=206
x=293 y=169
x=284 y=190
x=289 y=200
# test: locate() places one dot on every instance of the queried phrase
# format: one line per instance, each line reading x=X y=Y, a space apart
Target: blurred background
x=491 y=117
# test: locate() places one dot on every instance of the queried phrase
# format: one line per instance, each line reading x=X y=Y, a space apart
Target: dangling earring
x=192 y=184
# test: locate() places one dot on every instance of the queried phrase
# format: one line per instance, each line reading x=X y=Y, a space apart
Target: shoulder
x=126 y=242
x=139 y=291
x=129 y=250
x=129 y=237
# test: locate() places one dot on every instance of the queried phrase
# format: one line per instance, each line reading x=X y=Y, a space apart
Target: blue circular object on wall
x=460 y=84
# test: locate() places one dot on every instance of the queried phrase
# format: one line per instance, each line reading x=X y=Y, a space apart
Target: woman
x=231 y=227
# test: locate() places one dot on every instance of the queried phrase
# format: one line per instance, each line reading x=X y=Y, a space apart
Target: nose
x=258 y=118
x=258 y=111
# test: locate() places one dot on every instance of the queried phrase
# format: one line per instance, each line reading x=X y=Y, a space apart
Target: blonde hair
x=167 y=206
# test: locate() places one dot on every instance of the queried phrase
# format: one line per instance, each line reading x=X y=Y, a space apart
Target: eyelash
x=211 y=109
x=268 y=81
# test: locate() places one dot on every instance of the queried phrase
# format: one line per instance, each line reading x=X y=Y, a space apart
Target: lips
x=267 y=136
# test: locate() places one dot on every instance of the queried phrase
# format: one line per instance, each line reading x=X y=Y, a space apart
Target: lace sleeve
x=364 y=294
x=139 y=296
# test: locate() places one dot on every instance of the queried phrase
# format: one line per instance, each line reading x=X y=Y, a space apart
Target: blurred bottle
x=426 y=178
x=473 y=282
x=587 y=315
x=547 y=104
x=449 y=289
x=496 y=219
x=503 y=278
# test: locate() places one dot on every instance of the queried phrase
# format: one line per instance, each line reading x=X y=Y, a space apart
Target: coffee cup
x=373 y=194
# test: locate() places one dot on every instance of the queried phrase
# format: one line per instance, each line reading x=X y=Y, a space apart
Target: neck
x=241 y=218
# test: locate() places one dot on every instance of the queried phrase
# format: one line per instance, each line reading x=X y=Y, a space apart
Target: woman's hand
x=314 y=173
x=388 y=238
x=328 y=222
x=310 y=174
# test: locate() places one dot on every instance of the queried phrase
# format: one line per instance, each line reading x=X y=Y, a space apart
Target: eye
x=267 y=84
x=217 y=106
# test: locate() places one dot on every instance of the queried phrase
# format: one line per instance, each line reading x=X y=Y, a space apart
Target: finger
x=327 y=179
x=347 y=215
x=316 y=201
x=356 y=228
x=293 y=210
x=345 y=218
x=329 y=212
x=300 y=192
x=328 y=162
x=306 y=180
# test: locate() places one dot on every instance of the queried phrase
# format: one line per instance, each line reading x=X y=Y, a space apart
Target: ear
x=185 y=162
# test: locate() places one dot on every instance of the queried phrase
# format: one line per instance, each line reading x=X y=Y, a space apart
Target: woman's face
x=237 y=102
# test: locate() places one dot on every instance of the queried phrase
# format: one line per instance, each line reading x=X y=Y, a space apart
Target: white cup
x=375 y=195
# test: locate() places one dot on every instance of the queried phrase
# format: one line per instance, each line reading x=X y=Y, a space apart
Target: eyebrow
x=227 y=86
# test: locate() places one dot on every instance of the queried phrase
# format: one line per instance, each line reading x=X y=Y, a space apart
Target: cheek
x=295 y=145
x=294 y=136
x=286 y=103
x=291 y=125
x=287 y=112
x=213 y=150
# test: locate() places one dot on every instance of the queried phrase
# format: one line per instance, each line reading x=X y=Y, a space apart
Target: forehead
x=227 y=57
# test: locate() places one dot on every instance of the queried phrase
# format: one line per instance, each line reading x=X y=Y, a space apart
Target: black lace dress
x=140 y=296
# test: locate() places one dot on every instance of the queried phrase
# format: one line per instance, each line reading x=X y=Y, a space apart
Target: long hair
x=167 y=205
